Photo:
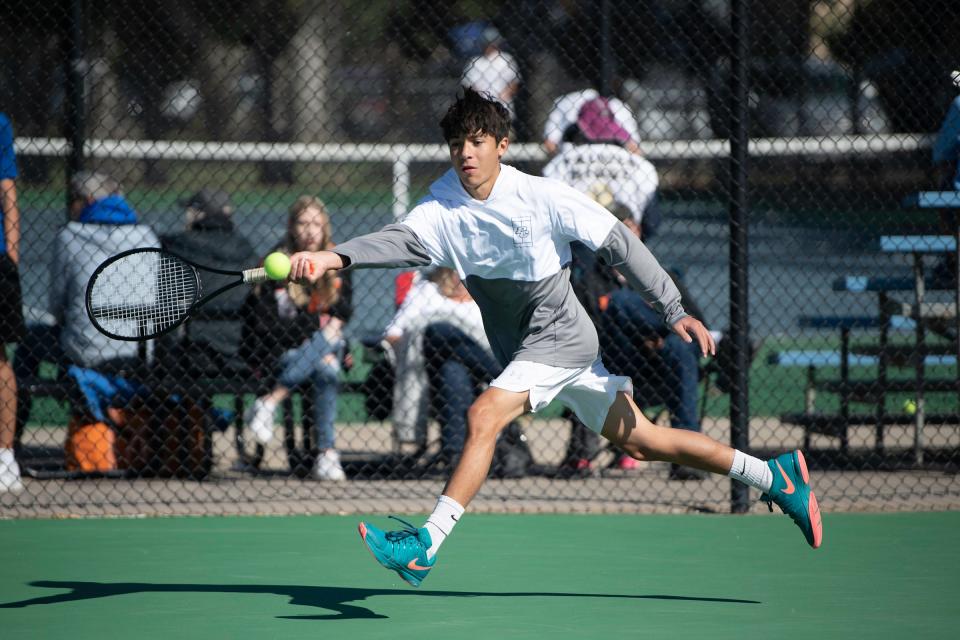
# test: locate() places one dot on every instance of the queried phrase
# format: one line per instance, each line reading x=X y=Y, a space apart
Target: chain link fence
x=823 y=254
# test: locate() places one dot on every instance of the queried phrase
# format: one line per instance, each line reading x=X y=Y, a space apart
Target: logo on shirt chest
x=522 y=232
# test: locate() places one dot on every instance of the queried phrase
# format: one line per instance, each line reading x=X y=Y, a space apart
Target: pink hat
x=597 y=123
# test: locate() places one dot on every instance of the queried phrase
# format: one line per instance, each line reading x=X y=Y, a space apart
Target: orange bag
x=90 y=447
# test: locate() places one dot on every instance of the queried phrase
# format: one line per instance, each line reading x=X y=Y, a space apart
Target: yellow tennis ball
x=910 y=407
x=277 y=266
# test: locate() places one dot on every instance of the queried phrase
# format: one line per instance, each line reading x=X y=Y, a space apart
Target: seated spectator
x=494 y=72
x=293 y=335
x=636 y=343
x=210 y=239
x=565 y=116
x=443 y=362
x=101 y=225
x=437 y=297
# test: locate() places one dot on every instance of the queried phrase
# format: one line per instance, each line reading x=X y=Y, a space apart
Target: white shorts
x=587 y=391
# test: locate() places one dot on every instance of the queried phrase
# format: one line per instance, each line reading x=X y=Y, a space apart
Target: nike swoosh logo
x=454 y=518
x=413 y=566
x=789 y=488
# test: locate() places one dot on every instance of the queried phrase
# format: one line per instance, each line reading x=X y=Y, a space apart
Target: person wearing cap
x=567 y=115
x=601 y=150
x=494 y=72
x=209 y=238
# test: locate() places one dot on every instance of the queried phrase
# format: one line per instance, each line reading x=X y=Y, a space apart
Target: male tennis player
x=508 y=235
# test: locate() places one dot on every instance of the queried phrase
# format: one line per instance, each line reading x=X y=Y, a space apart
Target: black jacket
x=214 y=242
x=269 y=330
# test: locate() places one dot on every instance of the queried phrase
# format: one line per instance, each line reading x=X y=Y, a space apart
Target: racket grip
x=253 y=276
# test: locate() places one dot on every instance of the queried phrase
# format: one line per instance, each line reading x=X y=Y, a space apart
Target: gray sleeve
x=393 y=246
x=624 y=251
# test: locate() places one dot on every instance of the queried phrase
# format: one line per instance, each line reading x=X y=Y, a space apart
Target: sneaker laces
x=769 y=500
x=403 y=536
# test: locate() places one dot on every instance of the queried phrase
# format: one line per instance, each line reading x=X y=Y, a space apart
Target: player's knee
x=637 y=451
x=482 y=421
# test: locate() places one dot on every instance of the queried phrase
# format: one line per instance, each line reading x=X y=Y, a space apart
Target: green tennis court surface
x=499 y=576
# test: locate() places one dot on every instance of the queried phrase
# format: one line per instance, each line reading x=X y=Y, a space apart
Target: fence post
x=401 y=185
x=739 y=316
x=76 y=69
x=606 y=53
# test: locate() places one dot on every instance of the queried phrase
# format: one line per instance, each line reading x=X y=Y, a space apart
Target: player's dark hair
x=475 y=112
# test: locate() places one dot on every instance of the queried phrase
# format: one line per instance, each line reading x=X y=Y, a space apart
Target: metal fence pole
x=739 y=316
x=74 y=116
x=606 y=53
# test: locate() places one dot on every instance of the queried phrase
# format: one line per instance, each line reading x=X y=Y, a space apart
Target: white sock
x=441 y=522
x=6 y=459
x=751 y=471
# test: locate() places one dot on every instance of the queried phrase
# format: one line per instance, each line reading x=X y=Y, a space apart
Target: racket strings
x=142 y=294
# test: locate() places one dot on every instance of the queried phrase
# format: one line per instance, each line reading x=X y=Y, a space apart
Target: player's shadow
x=332 y=598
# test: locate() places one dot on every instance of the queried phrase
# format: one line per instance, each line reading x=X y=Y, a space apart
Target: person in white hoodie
x=433 y=297
x=508 y=236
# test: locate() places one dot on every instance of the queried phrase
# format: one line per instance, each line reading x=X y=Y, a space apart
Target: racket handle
x=253 y=276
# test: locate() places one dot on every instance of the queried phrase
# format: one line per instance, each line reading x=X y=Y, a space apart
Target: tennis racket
x=144 y=293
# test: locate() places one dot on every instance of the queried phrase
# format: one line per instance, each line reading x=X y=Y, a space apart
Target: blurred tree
x=907 y=49
x=292 y=44
x=158 y=45
x=31 y=61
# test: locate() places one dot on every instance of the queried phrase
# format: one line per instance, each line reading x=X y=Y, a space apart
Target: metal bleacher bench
x=848 y=390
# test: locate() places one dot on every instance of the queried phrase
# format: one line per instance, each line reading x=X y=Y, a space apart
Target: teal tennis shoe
x=403 y=551
x=792 y=493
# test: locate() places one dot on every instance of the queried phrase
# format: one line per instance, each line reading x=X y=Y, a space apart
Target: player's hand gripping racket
x=145 y=293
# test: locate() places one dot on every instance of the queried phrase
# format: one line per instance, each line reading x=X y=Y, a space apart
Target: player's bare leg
x=9 y=471
x=784 y=480
x=629 y=429
x=411 y=552
x=487 y=417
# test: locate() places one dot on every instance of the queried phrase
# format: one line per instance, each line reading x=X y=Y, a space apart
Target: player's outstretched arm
x=690 y=329
x=309 y=266
x=395 y=245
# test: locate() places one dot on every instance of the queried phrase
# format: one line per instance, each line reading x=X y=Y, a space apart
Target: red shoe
x=626 y=463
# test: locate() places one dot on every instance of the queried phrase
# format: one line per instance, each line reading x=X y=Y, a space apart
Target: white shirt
x=522 y=231
x=631 y=179
x=424 y=304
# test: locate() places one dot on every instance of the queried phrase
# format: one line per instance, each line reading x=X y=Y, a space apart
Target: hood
x=449 y=189
x=110 y=210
